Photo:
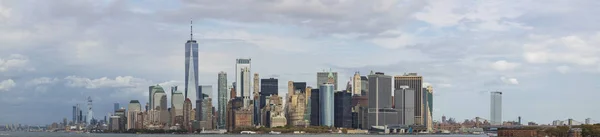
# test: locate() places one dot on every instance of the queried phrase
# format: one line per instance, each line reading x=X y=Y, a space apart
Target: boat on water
x=247 y=132
x=273 y=132
x=299 y=132
x=213 y=131
x=4 y=134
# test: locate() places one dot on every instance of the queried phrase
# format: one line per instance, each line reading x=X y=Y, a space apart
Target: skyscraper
x=256 y=99
x=155 y=100
x=364 y=85
x=187 y=108
x=315 y=114
x=191 y=67
x=245 y=86
x=74 y=114
x=158 y=93
x=380 y=91
x=177 y=99
x=343 y=110
x=415 y=82
x=90 y=114
x=405 y=103
x=496 y=108
x=116 y=105
x=222 y=99
x=428 y=101
x=133 y=108
x=324 y=77
x=327 y=101
x=242 y=78
x=356 y=85
x=206 y=90
x=267 y=87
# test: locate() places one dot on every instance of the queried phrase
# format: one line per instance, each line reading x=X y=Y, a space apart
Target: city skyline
x=114 y=57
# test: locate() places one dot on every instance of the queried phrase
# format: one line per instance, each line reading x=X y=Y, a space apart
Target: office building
x=121 y=114
x=268 y=87
x=191 y=67
x=156 y=91
x=343 y=110
x=256 y=100
x=415 y=82
x=364 y=85
x=117 y=106
x=74 y=114
x=328 y=77
x=380 y=110
x=356 y=85
x=187 y=108
x=326 y=98
x=405 y=103
x=222 y=99
x=428 y=103
x=242 y=79
x=204 y=92
x=296 y=109
x=299 y=87
x=496 y=108
x=133 y=109
x=243 y=118
x=315 y=108
x=177 y=99
x=207 y=115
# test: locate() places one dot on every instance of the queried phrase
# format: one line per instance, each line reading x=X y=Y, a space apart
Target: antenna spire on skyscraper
x=191 y=30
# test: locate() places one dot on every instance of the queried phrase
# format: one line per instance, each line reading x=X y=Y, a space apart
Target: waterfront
x=53 y=134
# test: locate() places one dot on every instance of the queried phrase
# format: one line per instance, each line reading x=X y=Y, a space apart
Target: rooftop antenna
x=191 y=30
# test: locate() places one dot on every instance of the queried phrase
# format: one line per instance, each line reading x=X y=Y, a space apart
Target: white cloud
x=42 y=81
x=569 y=49
x=512 y=81
x=563 y=69
x=503 y=65
x=104 y=82
x=14 y=62
x=399 y=40
x=5 y=13
x=6 y=85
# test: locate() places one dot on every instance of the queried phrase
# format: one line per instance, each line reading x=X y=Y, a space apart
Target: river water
x=48 y=134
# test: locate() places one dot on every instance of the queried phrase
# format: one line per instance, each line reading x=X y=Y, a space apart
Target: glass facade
x=327 y=102
x=496 y=108
x=222 y=99
x=343 y=109
x=191 y=69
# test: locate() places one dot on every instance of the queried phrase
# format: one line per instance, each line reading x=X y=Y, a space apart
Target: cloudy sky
x=544 y=55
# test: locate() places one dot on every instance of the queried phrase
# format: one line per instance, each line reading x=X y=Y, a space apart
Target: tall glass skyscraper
x=496 y=108
x=222 y=99
x=242 y=79
x=326 y=101
x=191 y=67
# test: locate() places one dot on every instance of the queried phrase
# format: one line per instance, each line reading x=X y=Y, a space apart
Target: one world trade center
x=191 y=68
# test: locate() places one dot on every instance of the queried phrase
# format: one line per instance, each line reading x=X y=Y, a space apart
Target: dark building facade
x=300 y=86
x=267 y=87
x=380 y=110
x=315 y=108
x=343 y=110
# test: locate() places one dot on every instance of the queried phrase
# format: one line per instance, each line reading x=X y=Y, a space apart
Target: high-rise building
x=356 y=85
x=268 y=87
x=150 y=102
x=327 y=101
x=205 y=91
x=158 y=92
x=256 y=100
x=74 y=114
x=428 y=101
x=415 y=82
x=222 y=99
x=496 y=108
x=191 y=67
x=177 y=99
x=315 y=114
x=404 y=103
x=242 y=79
x=328 y=77
x=116 y=106
x=380 y=105
x=187 y=108
x=90 y=112
x=207 y=115
x=343 y=110
x=364 y=85
x=162 y=108
x=133 y=109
